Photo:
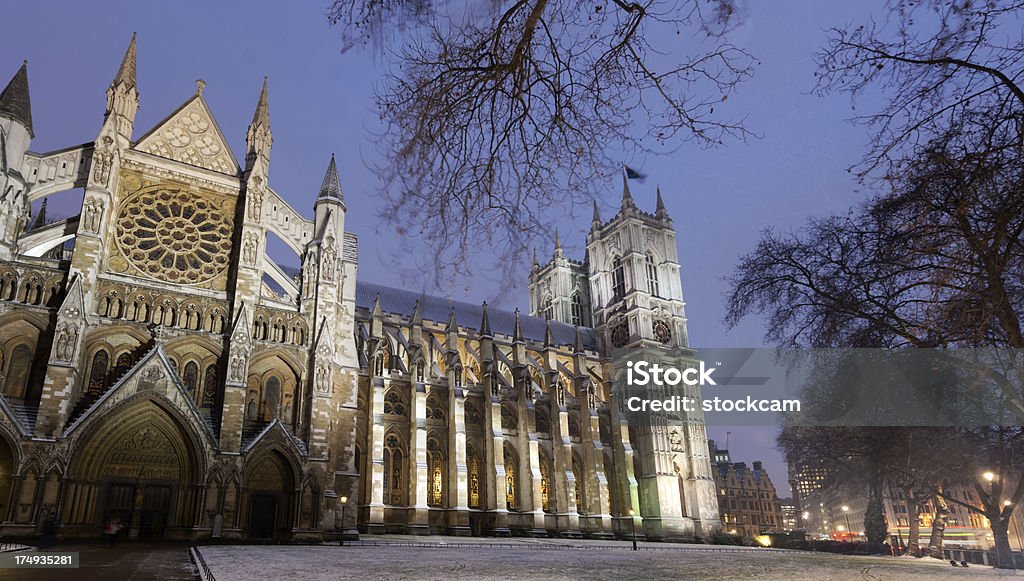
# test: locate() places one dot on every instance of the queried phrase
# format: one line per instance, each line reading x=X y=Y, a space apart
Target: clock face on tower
x=662 y=332
x=620 y=334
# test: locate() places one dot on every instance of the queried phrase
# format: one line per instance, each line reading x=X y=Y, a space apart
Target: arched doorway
x=139 y=466
x=269 y=486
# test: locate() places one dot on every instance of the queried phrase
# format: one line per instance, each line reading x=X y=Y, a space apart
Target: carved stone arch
x=20 y=360
x=139 y=306
x=283 y=454
x=115 y=335
x=270 y=480
x=30 y=463
x=136 y=410
x=183 y=348
x=395 y=402
x=547 y=472
x=396 y=462
x=9 y=284
x=513 y=483
x=436 y=408
x=31 y=291
x=437 y=467
x=277 y=378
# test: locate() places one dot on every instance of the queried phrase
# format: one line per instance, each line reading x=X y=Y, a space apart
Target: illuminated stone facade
x=156 y=366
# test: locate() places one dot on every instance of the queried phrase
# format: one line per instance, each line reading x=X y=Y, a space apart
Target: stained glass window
x=98 y=375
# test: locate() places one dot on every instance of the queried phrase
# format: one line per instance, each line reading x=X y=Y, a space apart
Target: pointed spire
x=536 y=263
x=597 y=214
x=377 y=312
x=331 y=187
x=417 y=318
x=661 y=211
x=262 y=114
x=579 y=341
x=485 y=323
x=627 y=197
x=558 y=240
x=549 y=339
x=14 y=100
x=453 y=325
x=40 y=218
x=126 y=72
x=517 y=331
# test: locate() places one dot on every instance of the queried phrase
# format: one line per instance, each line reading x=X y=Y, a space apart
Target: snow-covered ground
x=552 y=560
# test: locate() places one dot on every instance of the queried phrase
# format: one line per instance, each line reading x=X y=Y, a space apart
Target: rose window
x=174 y=236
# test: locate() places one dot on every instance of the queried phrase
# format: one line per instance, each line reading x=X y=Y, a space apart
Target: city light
x=990 y=476
x=845 y=508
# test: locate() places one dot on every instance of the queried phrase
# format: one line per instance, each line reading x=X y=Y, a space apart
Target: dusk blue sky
x=321 y=102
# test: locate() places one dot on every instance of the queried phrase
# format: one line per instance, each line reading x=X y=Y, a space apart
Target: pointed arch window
x=511 y=481
x=435 y=470
x=577 y=472
x=393 y=470
x=549 y=308
x=618 y=279
x=393 y=403
x=473 y=467
x=435 y=411
x=190 y=378
x=272 y=398
x=576 y=310
x=98 y=372
x=209 y=386
x=545 y=485
x=124 y=363
x=653 y=285
x=18 y=371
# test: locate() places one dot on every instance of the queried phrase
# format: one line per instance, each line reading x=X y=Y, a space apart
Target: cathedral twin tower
x=158 y=367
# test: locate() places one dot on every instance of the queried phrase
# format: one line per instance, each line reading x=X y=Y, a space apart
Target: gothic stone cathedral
x=157 y=367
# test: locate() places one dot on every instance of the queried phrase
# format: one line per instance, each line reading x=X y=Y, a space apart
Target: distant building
x=964 y=528
x=747 y=500
x=805 y=478
x=789 y=515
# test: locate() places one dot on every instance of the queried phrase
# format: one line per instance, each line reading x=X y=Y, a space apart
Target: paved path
x=124 y=562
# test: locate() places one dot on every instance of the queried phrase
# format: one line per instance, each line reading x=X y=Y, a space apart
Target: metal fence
x=204 y=570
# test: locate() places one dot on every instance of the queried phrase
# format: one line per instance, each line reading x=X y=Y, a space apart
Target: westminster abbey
x=157 y=367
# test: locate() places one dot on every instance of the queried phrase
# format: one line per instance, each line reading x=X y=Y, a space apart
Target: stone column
x=458 y=477
x=375 y=447
x=419 y=479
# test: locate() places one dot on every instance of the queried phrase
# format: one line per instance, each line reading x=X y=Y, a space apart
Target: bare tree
x=944 y=68
x=499 y=118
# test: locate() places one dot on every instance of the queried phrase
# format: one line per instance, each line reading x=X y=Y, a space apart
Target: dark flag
x=632 y=174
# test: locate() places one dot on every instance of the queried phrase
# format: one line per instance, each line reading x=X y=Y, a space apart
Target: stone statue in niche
x=67 y=340
x=102 y=161
x=256 y=199
x=249 y=249
x=92 y=213
x=329 y=256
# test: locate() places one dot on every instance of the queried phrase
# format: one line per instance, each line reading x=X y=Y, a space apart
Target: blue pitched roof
x=401 y=302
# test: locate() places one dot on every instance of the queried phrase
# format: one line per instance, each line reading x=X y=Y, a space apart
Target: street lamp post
x=632 y=526
x=344 y=503
x=846 y=511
